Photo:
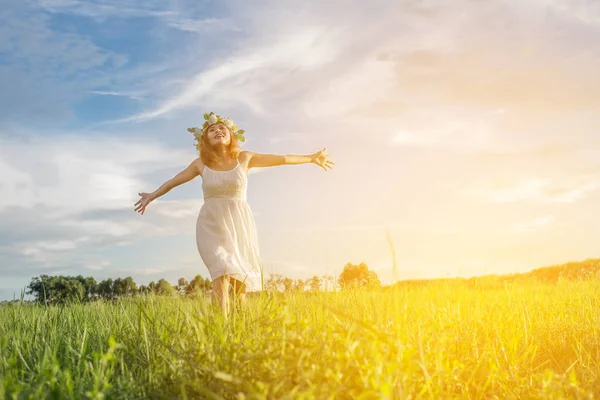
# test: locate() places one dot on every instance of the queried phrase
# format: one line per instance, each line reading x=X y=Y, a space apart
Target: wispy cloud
x=81 y=199
x=534 y=225
x=406 y=138
x=201 y=26
x=343 y=228
x=117 y=94
x=45 y=68
x=106 y=8
x=177 y=208
x=234 y=80
x=580 y=11
x=533 y=190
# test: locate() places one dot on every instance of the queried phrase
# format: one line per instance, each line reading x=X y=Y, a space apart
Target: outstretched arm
x=184 y=176
x=273 y=160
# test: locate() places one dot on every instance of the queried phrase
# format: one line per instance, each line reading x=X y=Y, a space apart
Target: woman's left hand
x=322 y=159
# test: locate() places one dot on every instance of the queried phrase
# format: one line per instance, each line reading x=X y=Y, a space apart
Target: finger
x=138 y=202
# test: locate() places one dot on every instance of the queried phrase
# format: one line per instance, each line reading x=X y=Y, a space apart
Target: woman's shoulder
x=244 y=159
x=199 y=165
x=245 y=155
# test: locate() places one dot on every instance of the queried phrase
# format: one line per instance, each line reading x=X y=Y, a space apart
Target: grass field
x=437 y=341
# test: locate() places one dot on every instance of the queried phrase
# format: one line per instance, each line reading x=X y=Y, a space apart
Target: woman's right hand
x=322 y=159
x=143 y=202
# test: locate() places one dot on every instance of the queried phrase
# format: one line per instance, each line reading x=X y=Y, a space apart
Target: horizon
x=16 y=295
x=467 y=131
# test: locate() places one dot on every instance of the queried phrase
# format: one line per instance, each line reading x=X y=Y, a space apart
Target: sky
x=467 y=130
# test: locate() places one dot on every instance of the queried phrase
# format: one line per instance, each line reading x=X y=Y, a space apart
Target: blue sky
x=469 y=131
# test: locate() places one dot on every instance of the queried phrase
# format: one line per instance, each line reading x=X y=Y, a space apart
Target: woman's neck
x=222 y=153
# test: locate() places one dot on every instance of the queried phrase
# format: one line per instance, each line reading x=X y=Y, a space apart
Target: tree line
x=62 y=289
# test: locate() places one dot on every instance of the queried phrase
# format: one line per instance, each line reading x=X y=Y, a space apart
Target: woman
x=225 y=230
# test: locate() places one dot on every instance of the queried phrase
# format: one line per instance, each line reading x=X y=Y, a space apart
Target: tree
x=124 y=287
x=314 y=283
x=287 y=284
x=105 y=289
x=182 y=285
x=358 y=276
x=56 y=289
x=274 y=283
x=198 y=284
x=164 y=288
x=66 y=289
x=298 y=285
x=90 y=287
x=39 y=287
x=131 y=286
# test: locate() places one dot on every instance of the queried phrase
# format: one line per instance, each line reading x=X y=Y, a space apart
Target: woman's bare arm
x=272 y=160
x=182 y=177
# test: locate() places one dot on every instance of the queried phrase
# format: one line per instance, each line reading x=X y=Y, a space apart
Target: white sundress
x=225 y=230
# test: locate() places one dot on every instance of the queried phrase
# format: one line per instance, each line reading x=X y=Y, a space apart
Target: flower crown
x=211 y=119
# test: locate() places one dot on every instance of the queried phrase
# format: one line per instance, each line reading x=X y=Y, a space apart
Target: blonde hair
x=208 y=155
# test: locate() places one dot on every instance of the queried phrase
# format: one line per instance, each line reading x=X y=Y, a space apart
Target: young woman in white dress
x=225 y=230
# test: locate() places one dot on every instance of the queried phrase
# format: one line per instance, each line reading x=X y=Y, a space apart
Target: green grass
x=438 y=341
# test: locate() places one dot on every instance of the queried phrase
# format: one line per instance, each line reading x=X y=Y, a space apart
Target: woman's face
x=218 y=134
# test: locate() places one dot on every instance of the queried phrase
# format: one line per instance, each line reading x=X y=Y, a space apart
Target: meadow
x=437 y=341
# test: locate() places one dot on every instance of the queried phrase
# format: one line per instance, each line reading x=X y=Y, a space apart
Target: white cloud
x=99 y=227
x=572 y=194
x=176 y=208
x=533 y=225
x=343 y=228
x=97 y=266
x=240 y=78
x=581 y=11
x=534 y=190
x=371 y=82
x=531 y=189
x=406 y=138
x=57 y=245
x=73 y=174
x=106 y=8
x=152 y=271
x=116 y=94
x=202 y=25
x=67 y=197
